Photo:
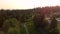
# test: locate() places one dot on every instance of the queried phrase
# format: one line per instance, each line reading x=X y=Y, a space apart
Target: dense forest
x=30 y=21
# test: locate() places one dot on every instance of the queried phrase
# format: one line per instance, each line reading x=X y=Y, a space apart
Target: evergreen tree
x=41 y=24
x=53 y=26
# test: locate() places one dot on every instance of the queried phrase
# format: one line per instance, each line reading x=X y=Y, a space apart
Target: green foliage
x=22 y=30
x=24 y=20
x=53 y=26
x=53 y=22
x=13 y=26
x=16 y=25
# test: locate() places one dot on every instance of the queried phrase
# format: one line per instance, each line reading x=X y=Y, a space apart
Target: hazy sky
x=27 y=4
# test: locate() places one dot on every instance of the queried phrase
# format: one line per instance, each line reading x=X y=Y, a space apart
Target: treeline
x=12 y=20
x=48 y=11
x=5 y=14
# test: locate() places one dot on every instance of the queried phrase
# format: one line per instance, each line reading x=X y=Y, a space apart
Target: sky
x=27 y=4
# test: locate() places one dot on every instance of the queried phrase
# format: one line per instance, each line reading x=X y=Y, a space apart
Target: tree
x=23 y=22
x=41 y=24
x=53 y=26
x=11 y=26
x=2 y=18
x=24 y=19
